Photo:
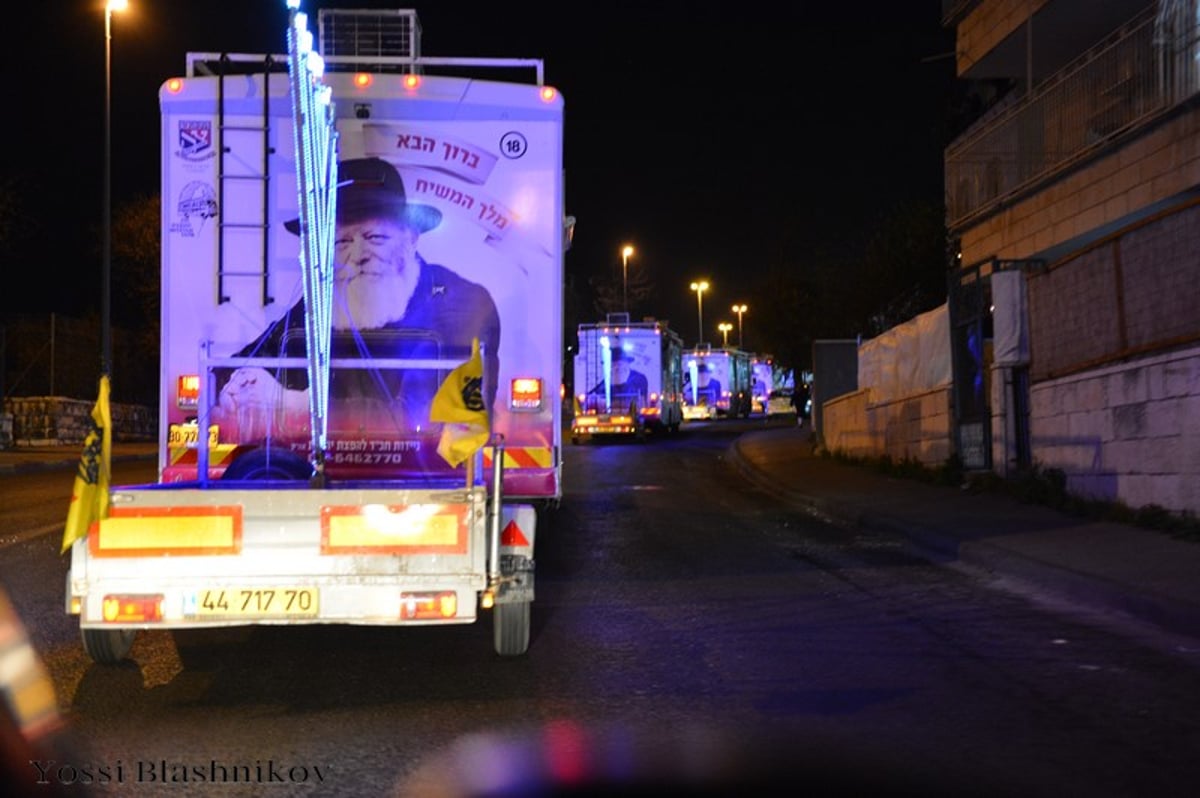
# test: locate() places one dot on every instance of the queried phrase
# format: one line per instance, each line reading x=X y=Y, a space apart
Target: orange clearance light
x=548 y=93
x=175 y=85
x=526 y=393
x=362 y=80
x=412 y=82
x=188 y=390
x=129 y=608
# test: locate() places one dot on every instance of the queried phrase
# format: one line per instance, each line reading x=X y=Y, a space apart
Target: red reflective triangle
x=513 y=536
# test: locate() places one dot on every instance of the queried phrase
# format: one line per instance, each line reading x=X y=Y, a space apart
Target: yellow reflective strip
x=217 y=455
x=166 y=532
x=391 y=531
x=523 y=456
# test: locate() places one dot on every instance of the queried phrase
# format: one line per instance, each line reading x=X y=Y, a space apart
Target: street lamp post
x=725 y=327
x=739 y=310
x=625 y=253
x=106 y=274
x=700 y=286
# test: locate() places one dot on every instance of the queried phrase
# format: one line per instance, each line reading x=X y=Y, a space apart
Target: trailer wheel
x=510 y=628
x=269 y=463
x=107 y=646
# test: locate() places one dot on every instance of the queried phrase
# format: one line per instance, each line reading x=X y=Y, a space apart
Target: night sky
x=703 y=133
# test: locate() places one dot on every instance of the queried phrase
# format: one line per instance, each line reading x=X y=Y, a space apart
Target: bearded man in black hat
x=708 y=388
x=625 y=382
x=387 y=302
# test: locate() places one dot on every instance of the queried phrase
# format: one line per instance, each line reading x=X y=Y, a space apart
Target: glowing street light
x=626 y=251
x=725 y=327
x=700 y=286
x=106 y=273
x=739 y=310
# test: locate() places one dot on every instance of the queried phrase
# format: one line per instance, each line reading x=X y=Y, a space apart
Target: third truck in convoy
x=716 y=383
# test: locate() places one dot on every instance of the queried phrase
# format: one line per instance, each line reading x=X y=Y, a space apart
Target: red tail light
x=418 y=606
x=526 y=393
x=131 y=608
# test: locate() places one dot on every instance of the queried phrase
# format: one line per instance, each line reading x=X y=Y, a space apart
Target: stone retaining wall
x=1125 y=432
x=56 y=420
x=913 y=428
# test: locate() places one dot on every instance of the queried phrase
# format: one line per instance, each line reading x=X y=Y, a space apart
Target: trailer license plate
x=257 y=602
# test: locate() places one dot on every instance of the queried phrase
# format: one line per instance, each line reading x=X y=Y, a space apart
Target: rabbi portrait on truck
x=388 y=302
x=708 y=387
x=626 y=383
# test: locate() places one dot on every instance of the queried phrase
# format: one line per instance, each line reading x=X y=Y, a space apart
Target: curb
x=70 y=464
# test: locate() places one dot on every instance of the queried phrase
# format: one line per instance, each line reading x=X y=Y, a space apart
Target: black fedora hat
x=371 y=188
x=618 y=353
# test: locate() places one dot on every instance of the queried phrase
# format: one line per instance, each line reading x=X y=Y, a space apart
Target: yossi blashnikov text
x=165 y=771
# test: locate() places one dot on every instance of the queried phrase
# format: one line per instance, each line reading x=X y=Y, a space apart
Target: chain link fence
x=50 y=354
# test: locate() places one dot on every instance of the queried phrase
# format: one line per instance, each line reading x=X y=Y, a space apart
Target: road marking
x=30 y=534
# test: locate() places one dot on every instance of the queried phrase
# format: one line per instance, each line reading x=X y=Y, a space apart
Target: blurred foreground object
x=31 y=728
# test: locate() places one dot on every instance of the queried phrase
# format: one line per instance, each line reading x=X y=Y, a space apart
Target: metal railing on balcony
x=1142 y=70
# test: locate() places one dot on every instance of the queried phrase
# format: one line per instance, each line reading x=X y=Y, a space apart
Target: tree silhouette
x=136 y=251
x=838 y=287
x=636 y=285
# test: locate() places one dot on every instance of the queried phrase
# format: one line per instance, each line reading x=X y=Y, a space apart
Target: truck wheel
x=107 y=646
x=510 y=628
x=269 y=463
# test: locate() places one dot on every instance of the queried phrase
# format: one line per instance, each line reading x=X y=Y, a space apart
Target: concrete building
x=1074 y=200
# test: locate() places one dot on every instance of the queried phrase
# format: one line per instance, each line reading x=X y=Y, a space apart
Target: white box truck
x=302 y=475
x=627 y=379
x=716 y=383
x=762 y=370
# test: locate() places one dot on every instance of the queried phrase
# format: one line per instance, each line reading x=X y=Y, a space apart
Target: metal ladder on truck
x=315 y=141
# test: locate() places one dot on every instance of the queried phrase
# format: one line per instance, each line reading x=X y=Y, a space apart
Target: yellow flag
x=89 y=498
x=458 y=404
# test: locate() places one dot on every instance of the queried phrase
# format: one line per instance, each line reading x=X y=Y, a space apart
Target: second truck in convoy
x=628 y=379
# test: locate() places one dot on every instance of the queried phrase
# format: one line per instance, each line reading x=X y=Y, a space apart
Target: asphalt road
x=689 y=630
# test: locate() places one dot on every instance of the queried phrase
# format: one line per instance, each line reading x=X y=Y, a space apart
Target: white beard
x=369 y=301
